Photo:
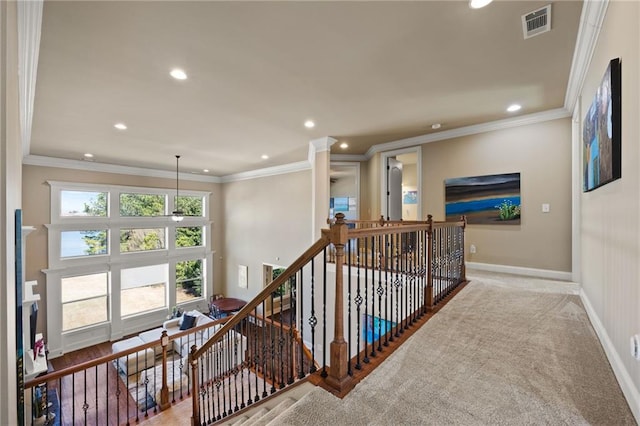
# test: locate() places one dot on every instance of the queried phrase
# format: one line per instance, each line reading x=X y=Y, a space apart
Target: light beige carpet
x=505 y=351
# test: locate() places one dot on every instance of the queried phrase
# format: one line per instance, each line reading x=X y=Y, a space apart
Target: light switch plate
x=545 y=208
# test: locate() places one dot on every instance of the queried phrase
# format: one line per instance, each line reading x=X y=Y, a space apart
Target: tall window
x=115 y=253
x=84 y=300
x=188 y=280
x=143 y=289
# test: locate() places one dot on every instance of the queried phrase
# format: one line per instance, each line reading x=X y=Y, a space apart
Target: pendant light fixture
x=177 y=215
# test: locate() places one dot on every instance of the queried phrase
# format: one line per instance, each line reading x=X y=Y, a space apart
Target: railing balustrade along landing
x=346 y=303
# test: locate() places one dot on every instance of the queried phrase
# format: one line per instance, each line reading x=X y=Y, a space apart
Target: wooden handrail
x=107 y=358
x=246 y=310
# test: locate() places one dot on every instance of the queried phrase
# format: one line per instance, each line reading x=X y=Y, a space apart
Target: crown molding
x=591 y=19
x=507 y=123
x=92 y=166
x=320 y=145
x=29 y=27
x=349 y=157
x=269 y=171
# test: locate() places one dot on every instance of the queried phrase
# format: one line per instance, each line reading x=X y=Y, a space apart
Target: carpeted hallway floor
x=506 y=350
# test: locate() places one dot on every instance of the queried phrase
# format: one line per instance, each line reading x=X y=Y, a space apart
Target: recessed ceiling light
x=120 y=126
x=514 y=108
x=206 y=170
x=309 y=124
x=477 y=4
x=88 y=155
x=436 y=126
x=344 y=145
x=178 y=74
x=265 y=157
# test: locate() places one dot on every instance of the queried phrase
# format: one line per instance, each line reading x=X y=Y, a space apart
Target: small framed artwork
x=409 y=197
x=243 y=281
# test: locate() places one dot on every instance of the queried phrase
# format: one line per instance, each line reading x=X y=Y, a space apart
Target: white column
x=10 y=200
x=319 y=158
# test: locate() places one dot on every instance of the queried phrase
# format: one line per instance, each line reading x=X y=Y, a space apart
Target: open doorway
x=401 y=184
x=344 y=190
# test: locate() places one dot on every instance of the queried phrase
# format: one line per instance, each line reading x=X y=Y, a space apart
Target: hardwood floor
x=98 y=396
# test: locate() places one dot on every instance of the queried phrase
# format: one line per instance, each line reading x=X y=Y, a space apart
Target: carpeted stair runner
x=271 y=414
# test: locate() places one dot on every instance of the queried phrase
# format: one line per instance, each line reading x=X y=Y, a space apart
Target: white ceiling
x=366 y=72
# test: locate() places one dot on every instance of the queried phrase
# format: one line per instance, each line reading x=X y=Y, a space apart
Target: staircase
x=268 y=411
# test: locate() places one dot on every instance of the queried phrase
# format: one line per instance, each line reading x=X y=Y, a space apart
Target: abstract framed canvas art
x=601 y=132
x=486 y=200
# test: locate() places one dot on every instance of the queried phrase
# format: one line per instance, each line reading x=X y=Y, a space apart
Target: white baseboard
x=518 y=270
x=630 y=391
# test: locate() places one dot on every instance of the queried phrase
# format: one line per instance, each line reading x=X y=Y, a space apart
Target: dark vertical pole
x=430 y=245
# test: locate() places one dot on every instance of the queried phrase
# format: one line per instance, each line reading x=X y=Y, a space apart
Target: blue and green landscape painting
x=490 y=199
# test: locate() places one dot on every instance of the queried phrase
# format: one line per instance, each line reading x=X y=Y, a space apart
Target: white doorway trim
x=383 y=177
x=357 y=166
x=576 y=199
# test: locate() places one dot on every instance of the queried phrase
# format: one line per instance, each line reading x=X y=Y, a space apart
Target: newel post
x=339 y=352
x=164 y=391
x=428 y=297
x=195 y=391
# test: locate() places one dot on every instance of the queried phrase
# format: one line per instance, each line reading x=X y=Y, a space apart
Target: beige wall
x=363 y=198
x=37 y=202
x=10 y=200
x=372 y=212
x=267 y=220
x=541 y=153
x=610 y=215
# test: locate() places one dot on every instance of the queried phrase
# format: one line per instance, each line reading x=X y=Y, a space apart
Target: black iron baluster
x=293 y=306
x=380 y=293
x=396 y=282
x=358 y=300
x=208 y=360
x=219 y=380
x=422 y=274
x=85 y=405
x=390 y=268
x=312 y=319
x=387 y=322
x=366 y=300
x=300 y=290
x=324 y=314
x=96 y=391
x=405 y=278
x=281 y=341
x=264 y=349
x=349 y=340
x=373 y=295
x=272 y=352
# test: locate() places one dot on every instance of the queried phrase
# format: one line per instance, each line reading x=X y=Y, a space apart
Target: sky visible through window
x=72 y=202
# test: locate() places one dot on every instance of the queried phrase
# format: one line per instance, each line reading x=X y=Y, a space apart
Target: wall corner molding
x=268 y=171
x=507 y=123
x=591 y=19
x=29 y=29
x=92 y=166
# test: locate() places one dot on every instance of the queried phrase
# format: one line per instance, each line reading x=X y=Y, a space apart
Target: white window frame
x=114 y=261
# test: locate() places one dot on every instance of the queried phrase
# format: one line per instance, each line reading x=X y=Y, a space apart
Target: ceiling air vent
x=536 y=22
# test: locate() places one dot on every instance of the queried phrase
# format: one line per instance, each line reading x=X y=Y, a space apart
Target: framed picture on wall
x=484 y=200
x=601 y=132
